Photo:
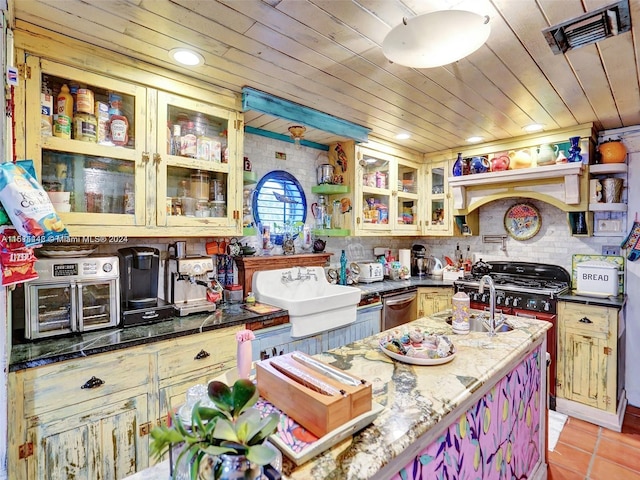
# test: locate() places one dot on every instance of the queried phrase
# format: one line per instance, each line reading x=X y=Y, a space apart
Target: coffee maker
x=139 y=269
x=418 y=261
x=187 y=281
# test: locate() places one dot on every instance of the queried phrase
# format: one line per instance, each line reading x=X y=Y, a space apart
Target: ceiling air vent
x=589 y=28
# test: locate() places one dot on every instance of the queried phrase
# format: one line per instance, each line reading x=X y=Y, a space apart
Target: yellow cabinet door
x=438 y=218
x=587 y=355
x=433 y=300
x=105 y=180
x=96 y=440
x=202 y=187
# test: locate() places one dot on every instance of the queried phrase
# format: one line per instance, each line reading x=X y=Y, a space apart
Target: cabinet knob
x=145 y=157
x=585 y=320
x=157 y=158
x=201 y=354
x=93 y=382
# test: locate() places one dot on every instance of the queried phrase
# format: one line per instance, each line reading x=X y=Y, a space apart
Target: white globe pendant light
x=435 y=39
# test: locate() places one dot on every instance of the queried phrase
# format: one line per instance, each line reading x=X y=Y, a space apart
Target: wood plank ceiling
x=327 y=55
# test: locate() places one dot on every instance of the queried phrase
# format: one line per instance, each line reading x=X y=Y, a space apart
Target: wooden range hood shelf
x=247 y=266
x=563 y=186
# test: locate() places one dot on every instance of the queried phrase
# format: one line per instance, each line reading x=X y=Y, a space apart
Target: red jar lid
x=235 y=286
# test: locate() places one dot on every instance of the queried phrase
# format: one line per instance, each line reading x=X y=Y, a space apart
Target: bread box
x=597 y=279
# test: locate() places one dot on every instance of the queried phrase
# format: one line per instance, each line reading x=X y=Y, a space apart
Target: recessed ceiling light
x=403 y=136
x=474 y=139
x=186 y=57
x=533 y=127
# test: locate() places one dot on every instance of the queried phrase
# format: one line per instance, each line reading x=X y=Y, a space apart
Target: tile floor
x=588 y=452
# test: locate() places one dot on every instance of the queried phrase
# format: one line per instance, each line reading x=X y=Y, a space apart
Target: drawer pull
x=93 y=382
x=201 y=354
x=585 y=320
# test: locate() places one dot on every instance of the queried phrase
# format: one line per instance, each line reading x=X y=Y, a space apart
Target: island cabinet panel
x=501 y=432
x=587 y=355
x=432 y=300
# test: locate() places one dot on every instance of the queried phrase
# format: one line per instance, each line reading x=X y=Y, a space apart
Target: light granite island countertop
x=482 y=415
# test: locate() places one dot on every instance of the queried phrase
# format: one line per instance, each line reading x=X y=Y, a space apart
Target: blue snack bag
x=28 y=205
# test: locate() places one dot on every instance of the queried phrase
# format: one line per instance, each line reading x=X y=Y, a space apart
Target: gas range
x=521 y=285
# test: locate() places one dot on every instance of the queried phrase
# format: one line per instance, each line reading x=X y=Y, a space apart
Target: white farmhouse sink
x=314 y=304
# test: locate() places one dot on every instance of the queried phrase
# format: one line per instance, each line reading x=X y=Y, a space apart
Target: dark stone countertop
x=56 y=349
x=397 y=286
x=616 y=302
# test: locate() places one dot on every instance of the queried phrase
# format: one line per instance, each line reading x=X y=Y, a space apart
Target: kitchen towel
x=404 y=257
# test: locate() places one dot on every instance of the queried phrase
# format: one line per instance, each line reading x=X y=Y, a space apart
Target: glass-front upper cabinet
x=198 y=178
x=438 y=218
x=386 y=198
x=86 y=135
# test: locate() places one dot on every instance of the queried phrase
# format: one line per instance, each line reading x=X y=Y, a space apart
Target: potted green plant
x=227 y=437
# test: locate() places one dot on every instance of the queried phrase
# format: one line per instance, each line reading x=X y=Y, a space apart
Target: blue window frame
x=280 y=203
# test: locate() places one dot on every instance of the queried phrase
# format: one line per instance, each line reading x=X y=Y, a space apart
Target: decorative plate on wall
x=522 y=221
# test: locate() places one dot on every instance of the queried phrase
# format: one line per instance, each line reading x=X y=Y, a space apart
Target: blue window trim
x=278 y=199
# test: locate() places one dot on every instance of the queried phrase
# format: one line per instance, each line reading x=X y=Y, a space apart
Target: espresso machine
x=139 y=274
x=187 y=281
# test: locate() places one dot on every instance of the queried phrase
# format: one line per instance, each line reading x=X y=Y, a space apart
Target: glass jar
x=200 y=182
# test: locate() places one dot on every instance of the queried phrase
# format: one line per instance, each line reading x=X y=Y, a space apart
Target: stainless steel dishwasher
x=399 y=308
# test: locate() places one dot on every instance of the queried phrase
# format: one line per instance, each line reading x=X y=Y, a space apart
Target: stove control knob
x=508 y=301
x=516 y=301
x=546 y=305
x=485 y=297
x=499 y=300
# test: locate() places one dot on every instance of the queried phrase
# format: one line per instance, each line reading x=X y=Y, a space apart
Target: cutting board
x=616 y=260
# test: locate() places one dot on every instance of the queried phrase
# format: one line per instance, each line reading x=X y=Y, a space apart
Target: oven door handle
x=400 y=300
x=74 y=324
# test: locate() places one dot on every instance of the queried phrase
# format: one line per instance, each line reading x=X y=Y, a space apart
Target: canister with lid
x=200 y=182
x=460 y=310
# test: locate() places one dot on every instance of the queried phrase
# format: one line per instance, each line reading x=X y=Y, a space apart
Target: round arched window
x=279 y=203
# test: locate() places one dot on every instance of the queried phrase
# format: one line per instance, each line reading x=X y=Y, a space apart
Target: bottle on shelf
x=64 y=113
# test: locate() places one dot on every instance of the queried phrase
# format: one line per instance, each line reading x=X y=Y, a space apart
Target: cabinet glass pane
x=437 y=212
x=96 y=184
x=375 y=172
x=196 y=193
x=97 y=115
x=376 y=209
x=196 y=135
x=406 y=212
x=407 y=179
x=437 y=181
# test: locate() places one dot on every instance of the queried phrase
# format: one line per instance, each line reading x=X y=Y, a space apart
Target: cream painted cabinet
x=433 y=300
x=386 y=192
x=90 y=418
x=81 y=419
x=175 y=162
x=587 y=355
x=438 y=218
x=195 y=359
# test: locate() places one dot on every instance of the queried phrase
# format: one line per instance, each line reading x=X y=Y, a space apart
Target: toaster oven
x=72 y=295
x=371 y=272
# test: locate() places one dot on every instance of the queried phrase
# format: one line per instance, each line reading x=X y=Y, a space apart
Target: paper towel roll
x=404 y=257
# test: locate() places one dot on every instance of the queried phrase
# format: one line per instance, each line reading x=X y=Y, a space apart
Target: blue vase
x=574 y=150
x=458 y=166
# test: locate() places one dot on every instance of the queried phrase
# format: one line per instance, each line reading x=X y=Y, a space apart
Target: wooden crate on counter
x=317 y=402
